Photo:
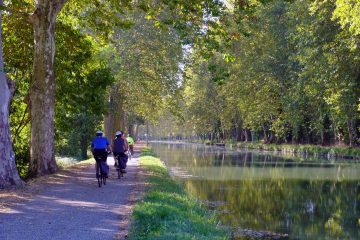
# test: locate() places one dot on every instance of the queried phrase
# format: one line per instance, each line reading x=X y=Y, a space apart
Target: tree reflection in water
x=308 y=200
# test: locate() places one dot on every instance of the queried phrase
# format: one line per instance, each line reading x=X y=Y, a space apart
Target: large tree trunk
x=42 y=88
x=8 y=171
x=114 y=121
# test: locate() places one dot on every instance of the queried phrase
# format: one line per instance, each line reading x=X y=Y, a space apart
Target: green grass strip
x=167 y=212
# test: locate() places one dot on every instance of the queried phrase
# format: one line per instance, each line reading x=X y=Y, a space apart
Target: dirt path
x=70 y=205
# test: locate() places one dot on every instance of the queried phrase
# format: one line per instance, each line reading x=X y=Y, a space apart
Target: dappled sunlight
x=72 y=205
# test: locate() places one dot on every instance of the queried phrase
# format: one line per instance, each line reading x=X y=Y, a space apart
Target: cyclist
x=131 y=142
x=120 y=146
x=100 y=147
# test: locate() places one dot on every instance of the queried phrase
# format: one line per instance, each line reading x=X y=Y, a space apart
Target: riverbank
x=329 y=152
x=167 y=212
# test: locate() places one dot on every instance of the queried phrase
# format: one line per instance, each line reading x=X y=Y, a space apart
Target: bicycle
x=118 y=168
x=101 y=177
x=129 y=154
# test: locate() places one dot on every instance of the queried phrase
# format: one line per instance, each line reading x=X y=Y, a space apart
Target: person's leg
x=104 y=166
x=96 y=156
x=116 y=159
x=123 y=159
x=97 y=169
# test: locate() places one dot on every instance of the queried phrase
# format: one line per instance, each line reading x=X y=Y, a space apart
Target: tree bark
x=84 y=143
x=8 y=171
x=266 y=138
x=114 y=121
x=351 y=133
x=42 y=88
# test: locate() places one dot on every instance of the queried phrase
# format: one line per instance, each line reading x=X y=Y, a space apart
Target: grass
x=167 y=212
x=331 y=152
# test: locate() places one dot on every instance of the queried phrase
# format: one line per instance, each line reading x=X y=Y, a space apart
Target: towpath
x=70 y=205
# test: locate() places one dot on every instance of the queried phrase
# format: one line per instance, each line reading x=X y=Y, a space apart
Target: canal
x=305 y=198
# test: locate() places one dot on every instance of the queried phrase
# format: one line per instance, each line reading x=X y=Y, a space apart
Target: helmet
x=99 y=133
x=118 y=133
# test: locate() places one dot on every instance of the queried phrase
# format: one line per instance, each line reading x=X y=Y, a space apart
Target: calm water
x=313 y=200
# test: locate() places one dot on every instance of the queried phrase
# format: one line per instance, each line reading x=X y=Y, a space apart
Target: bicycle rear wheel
x=98 y=174
x=118 y=168
x=104 y=179
x=99 y=181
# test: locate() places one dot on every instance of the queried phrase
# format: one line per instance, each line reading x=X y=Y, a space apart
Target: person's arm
x=108 y=146
x=92 y=146
x=126 y=145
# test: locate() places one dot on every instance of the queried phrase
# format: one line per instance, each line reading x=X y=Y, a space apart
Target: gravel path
x=74 y=207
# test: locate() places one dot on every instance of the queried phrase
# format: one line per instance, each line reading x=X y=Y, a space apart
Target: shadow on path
x=72 y=206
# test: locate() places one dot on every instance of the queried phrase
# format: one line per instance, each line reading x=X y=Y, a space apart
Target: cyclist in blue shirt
x=100 y=147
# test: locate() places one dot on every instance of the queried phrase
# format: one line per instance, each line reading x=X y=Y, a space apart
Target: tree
x=145 y=62
x=42 y=88
x=8 y=172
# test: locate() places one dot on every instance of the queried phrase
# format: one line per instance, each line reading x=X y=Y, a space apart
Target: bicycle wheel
x=119 y=173
x=104 y=179
x=99 y=181
x=98 y=175
x=118 y=168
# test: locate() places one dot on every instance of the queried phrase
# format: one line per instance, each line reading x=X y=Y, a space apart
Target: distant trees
x=295 y=78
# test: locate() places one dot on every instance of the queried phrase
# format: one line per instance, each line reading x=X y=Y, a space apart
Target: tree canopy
x=278 y=71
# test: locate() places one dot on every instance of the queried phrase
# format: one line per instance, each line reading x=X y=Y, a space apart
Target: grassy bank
x=167 y=212
x=330 y=152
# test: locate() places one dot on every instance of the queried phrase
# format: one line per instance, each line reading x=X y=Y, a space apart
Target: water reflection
x=308 y=200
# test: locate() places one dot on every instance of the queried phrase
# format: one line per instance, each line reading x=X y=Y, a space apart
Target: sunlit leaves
x=348 y=14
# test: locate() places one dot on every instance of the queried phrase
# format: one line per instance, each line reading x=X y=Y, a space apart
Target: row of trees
x=292 y=75
x=285 y=70
x=102 y=69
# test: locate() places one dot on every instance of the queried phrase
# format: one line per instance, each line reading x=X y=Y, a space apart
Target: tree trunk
x=84 y=143
x=266 y=138
x=136 y=131
x=42 y=88
x=8 y=171
x=351 y=133
x=114 y=121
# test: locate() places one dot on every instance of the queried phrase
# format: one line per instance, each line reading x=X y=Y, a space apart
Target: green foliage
x=305 y=150
x=167 y=212
x=145 y=62
x=295 y=78
x=81 y=116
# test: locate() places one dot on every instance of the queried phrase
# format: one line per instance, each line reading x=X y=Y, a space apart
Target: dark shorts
x=122 y=159
x=100 y=154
